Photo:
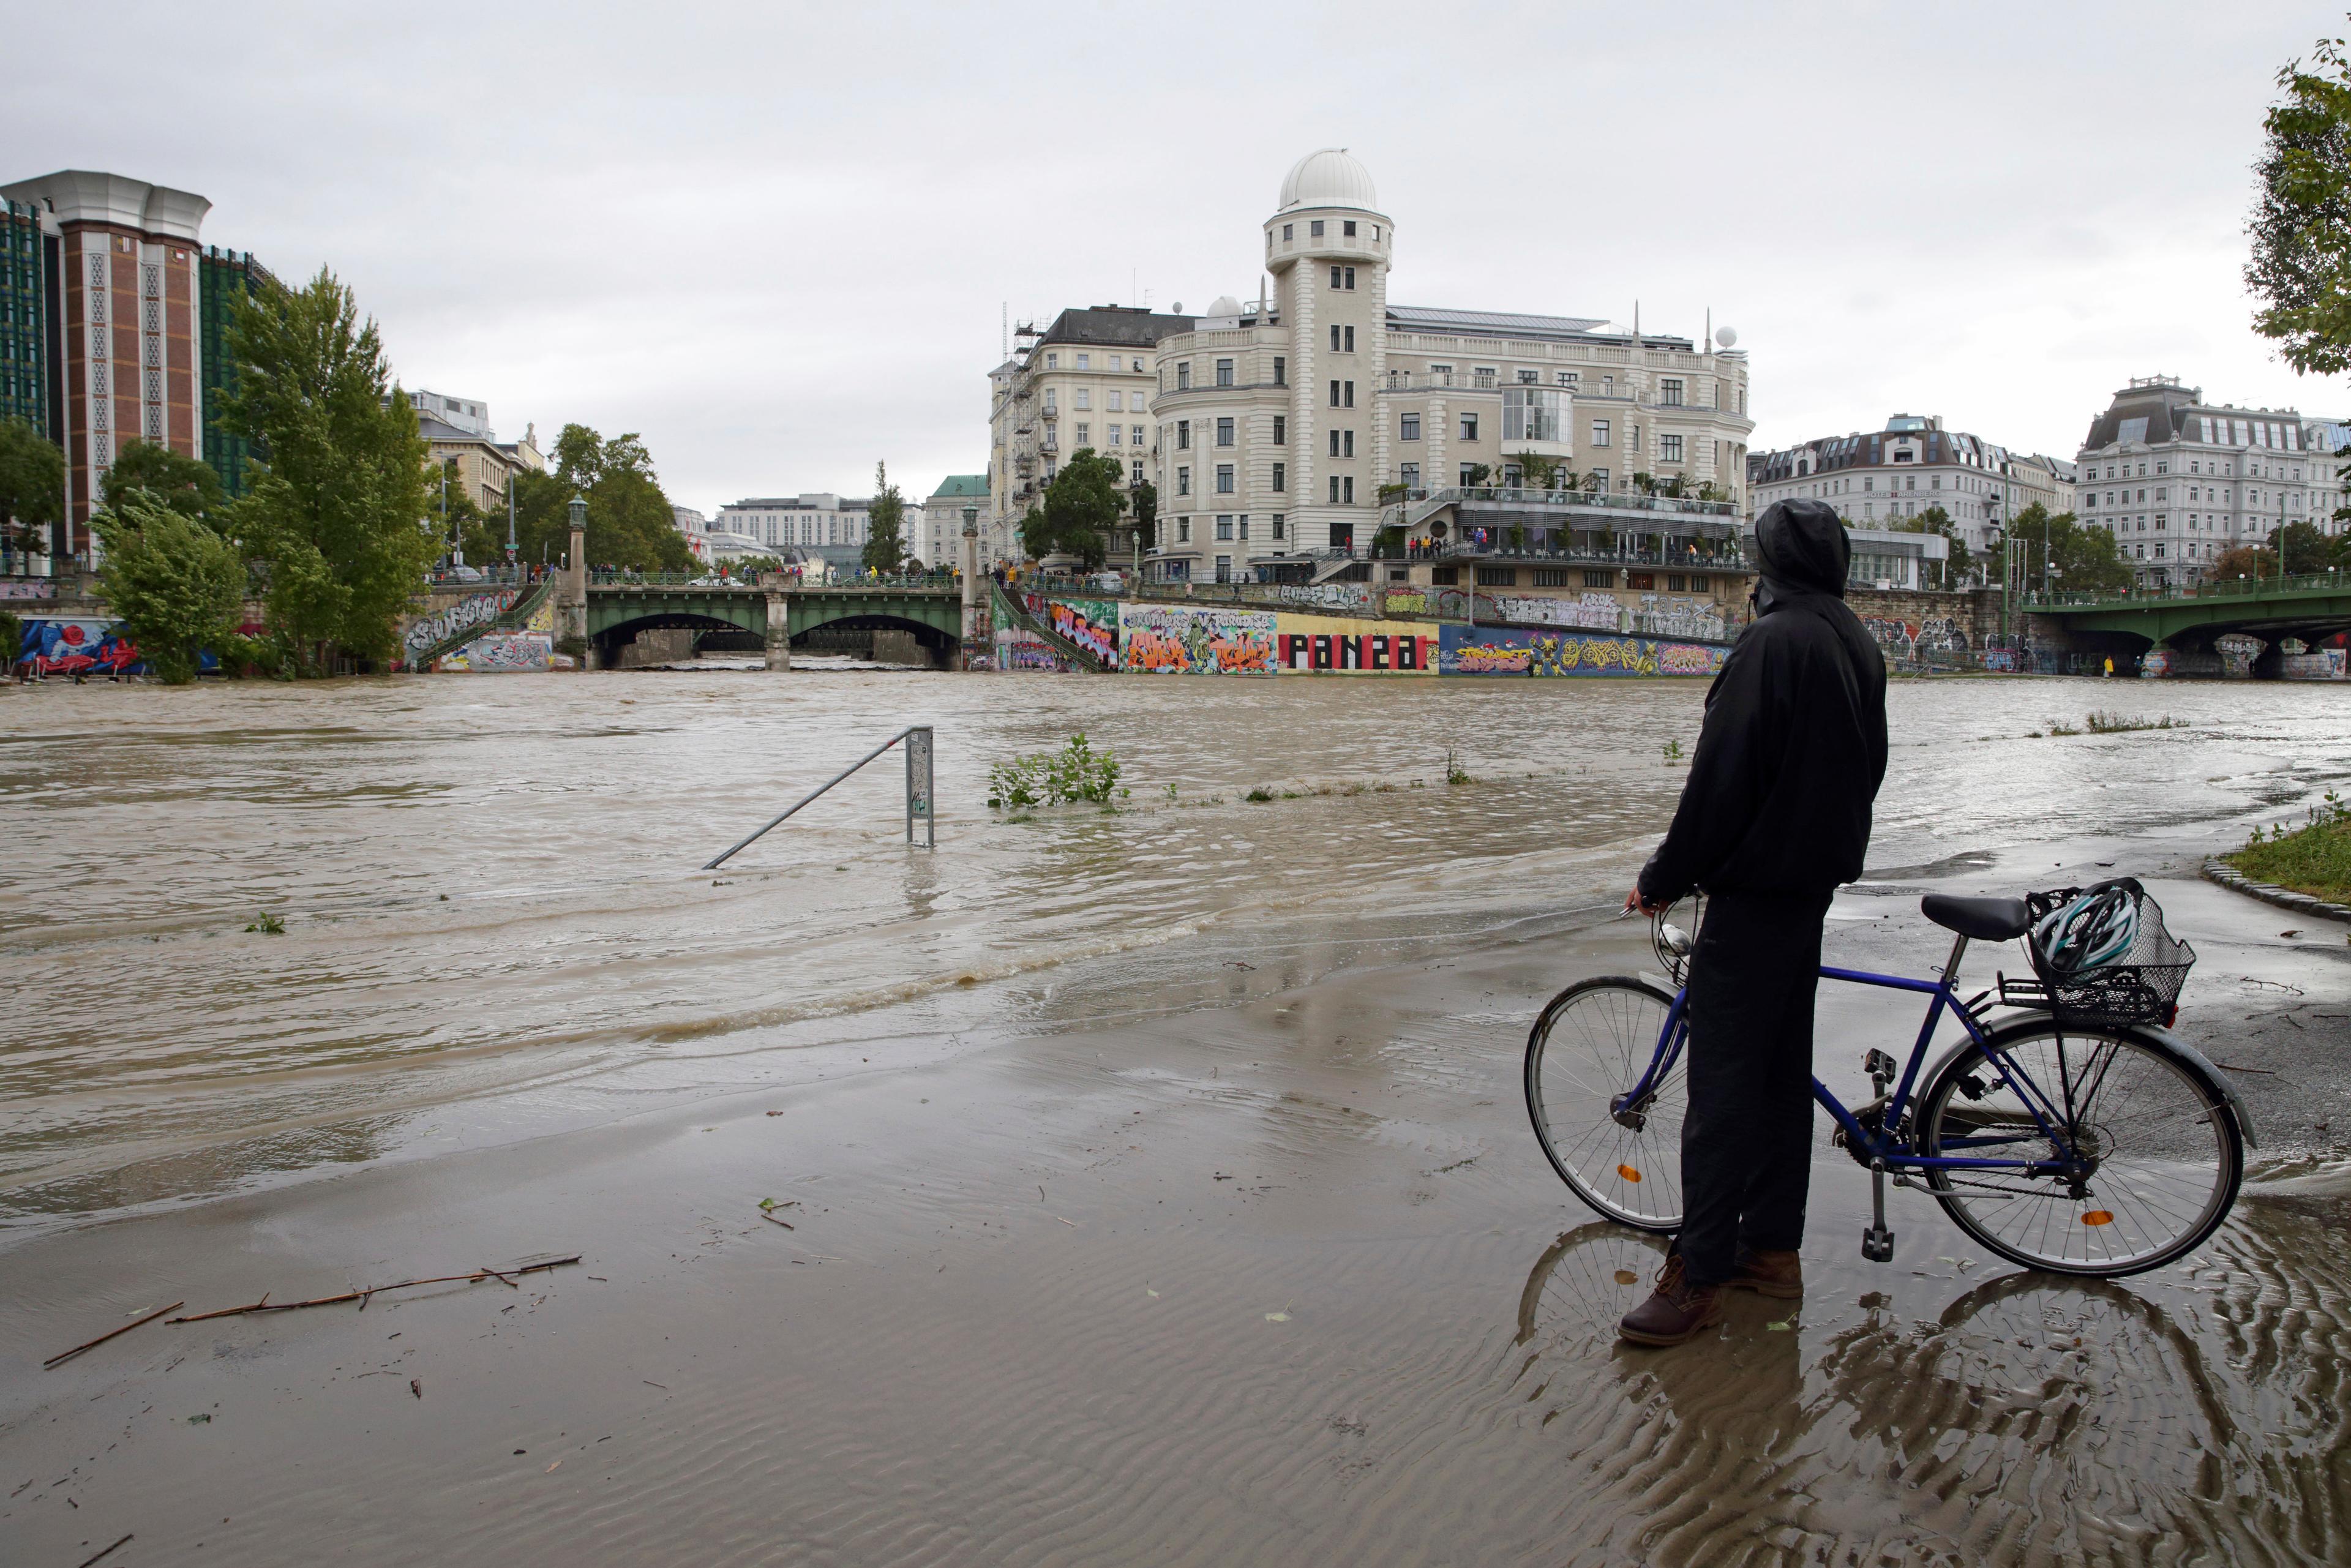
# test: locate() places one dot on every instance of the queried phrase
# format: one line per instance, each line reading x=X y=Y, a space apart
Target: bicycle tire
x=2139 y=1209
x=1591 y=1043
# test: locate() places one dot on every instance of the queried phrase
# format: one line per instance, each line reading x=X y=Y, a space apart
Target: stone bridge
x=2189 y=620
x=928 y=609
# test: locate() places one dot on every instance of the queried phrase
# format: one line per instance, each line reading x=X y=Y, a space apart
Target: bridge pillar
x=779 y=633
x=571 y=609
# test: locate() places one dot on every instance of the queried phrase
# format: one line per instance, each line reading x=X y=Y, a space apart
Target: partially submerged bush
x=1076 y=772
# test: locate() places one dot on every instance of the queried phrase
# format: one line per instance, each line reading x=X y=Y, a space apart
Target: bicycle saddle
x=1984 y=919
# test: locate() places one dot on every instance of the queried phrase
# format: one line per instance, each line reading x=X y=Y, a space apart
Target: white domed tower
x=1328 y=247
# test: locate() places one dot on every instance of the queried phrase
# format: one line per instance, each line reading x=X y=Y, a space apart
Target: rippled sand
x=1248 y=1258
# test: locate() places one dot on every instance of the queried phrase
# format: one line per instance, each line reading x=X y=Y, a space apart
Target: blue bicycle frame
x=1879 y=1145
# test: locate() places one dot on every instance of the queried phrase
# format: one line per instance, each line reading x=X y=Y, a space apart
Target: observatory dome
x=1329 y=178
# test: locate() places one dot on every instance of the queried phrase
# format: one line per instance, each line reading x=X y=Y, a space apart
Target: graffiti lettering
x=1183 y=640
x=1377 y=651
x=1507 y=651
x=479 y=610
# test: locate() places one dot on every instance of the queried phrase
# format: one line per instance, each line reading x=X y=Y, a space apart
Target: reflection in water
x=2196 y=1414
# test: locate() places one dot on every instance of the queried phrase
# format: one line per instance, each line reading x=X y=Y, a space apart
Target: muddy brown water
x=1162 y=1187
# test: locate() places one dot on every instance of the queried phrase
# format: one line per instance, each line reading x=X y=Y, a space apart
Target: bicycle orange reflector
x=1628 y=1173
x=2098 y=1217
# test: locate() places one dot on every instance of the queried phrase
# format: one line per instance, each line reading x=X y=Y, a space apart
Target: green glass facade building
x=222 y=277
x=27 y=321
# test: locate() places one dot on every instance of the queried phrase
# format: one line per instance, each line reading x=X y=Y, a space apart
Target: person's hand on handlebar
x=1636 y=905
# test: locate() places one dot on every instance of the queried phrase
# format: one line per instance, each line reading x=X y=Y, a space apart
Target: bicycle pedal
x=1877 y=1244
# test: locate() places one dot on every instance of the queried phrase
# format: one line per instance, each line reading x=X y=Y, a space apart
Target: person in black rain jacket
x=1774 y=815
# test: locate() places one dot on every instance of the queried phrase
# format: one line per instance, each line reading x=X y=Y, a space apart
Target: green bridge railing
x=2225 y=587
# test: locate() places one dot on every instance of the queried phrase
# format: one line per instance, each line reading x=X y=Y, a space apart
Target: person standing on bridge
x=1774 y=815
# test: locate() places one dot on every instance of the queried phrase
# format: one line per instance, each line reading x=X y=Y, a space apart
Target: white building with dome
x=1285 y=431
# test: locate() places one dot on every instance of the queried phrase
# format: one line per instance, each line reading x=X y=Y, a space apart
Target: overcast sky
x=778 y=239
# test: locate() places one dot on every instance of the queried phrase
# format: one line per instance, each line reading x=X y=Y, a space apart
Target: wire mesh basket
x=2140 y=986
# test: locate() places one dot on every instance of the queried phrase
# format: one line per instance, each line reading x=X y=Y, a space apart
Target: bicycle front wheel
x=1589 y=1049
x=2158 y=1152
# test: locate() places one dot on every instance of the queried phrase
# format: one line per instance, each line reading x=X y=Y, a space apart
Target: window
x=1138 y=364
x=1350 y=394
x=1440 y=375
x=1280 y=370
x=1183 y=375
x=1599 y=432
x=1565 y=378
x=1183 y=435
x=1052 y=360
x=1409 y=428
x=1351 y=271
x=1334 y=339
x=1531 y=413
x=1314 y=228
x=1115 y=402
x=1086 y=361
x=1224 y=478
x=1346 y=444
x=1699 y=583
x=1670 y=449
x=1244 y=522
x=1498 y=577
x=1135 y=475
x=1335 y=275
x=1334 y=394
x=1182 y=530
x=1225 y=529
x=1223 y=372
x=1347 y=229
x=1287 y=235
x=1136 y=435
x=1281 y=430
x=1599 y=580
x=1444 y=576
x=1280 y=483
x=1051 y=408
x=1334 y=443
x=1642 y=581
x=1469 y=427
x=1529 y=378
x=1334 y=489
x=1115 y=433
x=1183 y=480
x=1466 y=477
x=1224 y=432
x=1276 y=516
x=1083 y=428
x=1669 y=393
x=1409 y=473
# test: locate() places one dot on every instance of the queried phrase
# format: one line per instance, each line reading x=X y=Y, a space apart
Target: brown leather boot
x=1677 y=1313
x=1780 y=1275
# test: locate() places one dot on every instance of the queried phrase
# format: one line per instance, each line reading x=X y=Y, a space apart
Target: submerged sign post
x=918 y=785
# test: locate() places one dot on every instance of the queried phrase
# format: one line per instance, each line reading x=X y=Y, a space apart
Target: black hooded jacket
x=1793 y=747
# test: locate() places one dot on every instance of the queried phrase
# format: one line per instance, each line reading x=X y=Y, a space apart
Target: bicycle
x=2078 y=1134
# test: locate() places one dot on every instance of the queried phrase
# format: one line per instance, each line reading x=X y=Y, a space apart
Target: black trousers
x=1747 y=1156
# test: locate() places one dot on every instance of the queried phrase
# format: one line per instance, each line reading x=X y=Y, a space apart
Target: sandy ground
x=1279 y=1277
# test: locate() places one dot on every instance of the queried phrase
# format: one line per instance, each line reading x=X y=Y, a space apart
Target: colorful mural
x=1090 y=623
x=28 y=588
x=1196 y=640
x=1405 y=602
x=1515 y=650
x=1593 y=612
x=1021 y=650
x=60 y=647
x=501 y=653
x=1325 y=644
x=478 y=611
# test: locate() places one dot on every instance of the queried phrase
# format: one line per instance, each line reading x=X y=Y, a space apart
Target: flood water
x=488 y=883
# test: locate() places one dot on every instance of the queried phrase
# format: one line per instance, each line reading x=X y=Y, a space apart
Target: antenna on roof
x=1004 y=327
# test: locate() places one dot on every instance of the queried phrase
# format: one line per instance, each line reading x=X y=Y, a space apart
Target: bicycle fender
x=2163 y=1040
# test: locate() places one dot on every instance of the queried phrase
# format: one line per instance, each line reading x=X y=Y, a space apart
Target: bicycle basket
x=2140 y=985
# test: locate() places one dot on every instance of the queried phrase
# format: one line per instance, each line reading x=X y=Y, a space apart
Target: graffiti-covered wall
x=63 y=646
x=1329 y=646
x=502 y=652
x=1090 y=623
x=1523 y=650
x=1196 y=640
x=1021 y=650
x=479 y=609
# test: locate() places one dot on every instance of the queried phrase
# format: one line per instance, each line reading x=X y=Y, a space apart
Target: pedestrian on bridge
x=1774 y=815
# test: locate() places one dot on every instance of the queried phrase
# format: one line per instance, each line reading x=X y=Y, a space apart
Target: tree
x=333 y=514
x=32 y=489
x=2082 y=559
x=1081 y=503
x=178 y=587
x=885 y=525
x=1934 y=520
x=1538 y=473
x=2303 y=547
x=187 y=484
x=629 y=521
x=2300 y=265
x=2245 y=560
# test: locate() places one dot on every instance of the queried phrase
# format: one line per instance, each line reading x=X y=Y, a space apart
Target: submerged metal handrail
x=918 y=788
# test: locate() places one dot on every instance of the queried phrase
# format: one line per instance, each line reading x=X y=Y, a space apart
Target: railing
x=1612 y=500
x=2218 y=587
x=1694 y=559
x=622 y=577
x=514 y=615
x=917 y=738
x=500 y=576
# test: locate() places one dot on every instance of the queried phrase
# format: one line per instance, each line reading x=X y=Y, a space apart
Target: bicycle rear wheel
x=1590 y=1047
x=2160 y=1150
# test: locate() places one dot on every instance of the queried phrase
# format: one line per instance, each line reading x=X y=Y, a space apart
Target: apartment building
x=1881 y=476
x=2180 y=481
x=1284 y=427
x=821 y=526
x=2330 y=485
x=1086 y=381
x=935 y=534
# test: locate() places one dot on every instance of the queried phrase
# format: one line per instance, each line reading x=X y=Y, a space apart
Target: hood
x=1802 y=546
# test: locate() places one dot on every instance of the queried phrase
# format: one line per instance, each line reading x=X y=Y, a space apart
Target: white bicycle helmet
x=2096 y=928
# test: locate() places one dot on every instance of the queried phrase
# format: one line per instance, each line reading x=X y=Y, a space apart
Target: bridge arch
x=938 y=643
